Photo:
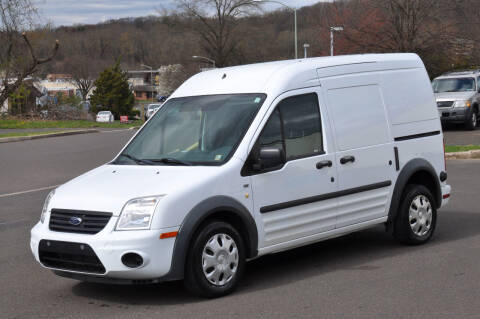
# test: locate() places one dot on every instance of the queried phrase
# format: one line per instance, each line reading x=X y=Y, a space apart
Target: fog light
x=132 y=260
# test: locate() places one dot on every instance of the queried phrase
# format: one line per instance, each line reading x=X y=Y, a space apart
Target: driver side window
x=294 y=128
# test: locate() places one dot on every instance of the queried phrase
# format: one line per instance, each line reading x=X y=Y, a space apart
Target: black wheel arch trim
x=197 y=216
x=408 y=170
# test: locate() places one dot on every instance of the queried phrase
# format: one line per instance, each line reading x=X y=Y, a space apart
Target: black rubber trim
x=106 y=280
x=414 y=136
x=224 y=208
x=443 y=176
x=397 y=159
x=318 y=198
x=408 y=170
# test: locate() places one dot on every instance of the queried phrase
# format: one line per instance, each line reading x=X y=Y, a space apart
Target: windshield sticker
x=218 y=157
x=257 y=100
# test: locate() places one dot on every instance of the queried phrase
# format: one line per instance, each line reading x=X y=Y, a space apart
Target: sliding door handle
x=323 y=164
x=346 y=159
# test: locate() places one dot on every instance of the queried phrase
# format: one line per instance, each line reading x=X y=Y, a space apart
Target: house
x=24 y=101
x=143 y=85
x=56 y=84
x=148 y=84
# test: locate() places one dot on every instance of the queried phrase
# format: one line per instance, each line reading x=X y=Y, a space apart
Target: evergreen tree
x=112 y=92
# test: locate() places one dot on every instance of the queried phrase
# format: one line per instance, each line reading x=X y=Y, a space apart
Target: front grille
x=69 y=256
x=445 y=103
x=78 y=221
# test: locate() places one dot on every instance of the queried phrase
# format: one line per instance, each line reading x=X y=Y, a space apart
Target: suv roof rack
x=462 y=72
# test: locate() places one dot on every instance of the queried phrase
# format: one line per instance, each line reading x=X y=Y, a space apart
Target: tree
x=112 y=92
x=82 y=73
x=217 y=31
x=18 y=59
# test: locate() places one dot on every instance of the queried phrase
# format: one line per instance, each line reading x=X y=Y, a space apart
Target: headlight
x=138 y=213
x=463 y=103
x=45 y=206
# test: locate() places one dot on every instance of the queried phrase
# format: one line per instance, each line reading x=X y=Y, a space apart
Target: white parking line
x=29 y=191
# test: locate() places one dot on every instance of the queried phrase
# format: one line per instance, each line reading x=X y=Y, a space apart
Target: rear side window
x=294 y=127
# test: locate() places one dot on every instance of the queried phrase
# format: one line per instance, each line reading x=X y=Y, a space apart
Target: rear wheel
x=417 y=217
x=216 y=261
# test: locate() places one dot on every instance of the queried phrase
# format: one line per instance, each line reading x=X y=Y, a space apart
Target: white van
x=252 y=160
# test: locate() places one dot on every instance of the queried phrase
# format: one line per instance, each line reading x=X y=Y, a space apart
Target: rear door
x=288 y=200
x=364 y=148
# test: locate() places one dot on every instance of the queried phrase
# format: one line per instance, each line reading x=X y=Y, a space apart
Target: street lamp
x=305 y=47
x=332 y=29
x=295 y=16
x=151 y=77
x=202 y=57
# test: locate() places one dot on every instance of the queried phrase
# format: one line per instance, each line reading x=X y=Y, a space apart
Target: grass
x=30 y=124
x=19 y=134
x=461 y=148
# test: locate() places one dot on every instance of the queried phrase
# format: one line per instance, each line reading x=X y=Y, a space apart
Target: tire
x=215 y=240
x=415 y=227
x=472 y=122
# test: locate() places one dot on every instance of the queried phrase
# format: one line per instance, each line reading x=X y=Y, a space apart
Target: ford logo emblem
x=75 y=221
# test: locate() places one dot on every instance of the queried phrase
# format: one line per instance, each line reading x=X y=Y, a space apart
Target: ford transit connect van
x=251 y=160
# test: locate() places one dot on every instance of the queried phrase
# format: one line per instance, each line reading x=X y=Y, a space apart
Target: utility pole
x=332 y=29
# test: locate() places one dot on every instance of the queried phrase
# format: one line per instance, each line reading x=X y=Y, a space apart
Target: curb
x=473 y=154
x=34 y=137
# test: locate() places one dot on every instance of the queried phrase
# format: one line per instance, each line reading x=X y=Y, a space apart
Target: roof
x=281 y=76
x=460 y=73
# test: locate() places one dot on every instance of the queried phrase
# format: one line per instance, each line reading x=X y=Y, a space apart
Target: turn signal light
x=169 y=235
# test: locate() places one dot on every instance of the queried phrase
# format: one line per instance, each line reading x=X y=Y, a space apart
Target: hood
x=454 y=96
x=109 y=187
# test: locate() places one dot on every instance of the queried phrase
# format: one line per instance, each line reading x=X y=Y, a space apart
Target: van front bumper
x=73 y=255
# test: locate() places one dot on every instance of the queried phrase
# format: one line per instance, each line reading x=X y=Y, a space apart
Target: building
x=56 y=84
x=26 y=101
x=148 y=84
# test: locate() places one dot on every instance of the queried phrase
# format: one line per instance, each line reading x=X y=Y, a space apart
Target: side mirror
x=269 y=157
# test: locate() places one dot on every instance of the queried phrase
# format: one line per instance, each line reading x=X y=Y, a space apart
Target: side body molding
x=222 y=207
x=413 y=166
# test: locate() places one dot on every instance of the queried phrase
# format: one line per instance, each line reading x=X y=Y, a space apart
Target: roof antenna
x=224 y=76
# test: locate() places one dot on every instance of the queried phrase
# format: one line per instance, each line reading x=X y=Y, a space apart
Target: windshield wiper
x=170 y=160
x=137 y=160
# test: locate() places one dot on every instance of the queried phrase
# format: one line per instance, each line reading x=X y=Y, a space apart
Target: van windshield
x=198 y=130
x=454 y=85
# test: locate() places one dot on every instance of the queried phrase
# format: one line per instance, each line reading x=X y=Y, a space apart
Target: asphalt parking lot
x=457 y=135
x=363 y=275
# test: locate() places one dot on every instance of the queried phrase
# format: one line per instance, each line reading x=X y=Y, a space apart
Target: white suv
x=251 y=160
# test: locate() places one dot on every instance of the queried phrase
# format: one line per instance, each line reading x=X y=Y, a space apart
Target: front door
x=288 y=199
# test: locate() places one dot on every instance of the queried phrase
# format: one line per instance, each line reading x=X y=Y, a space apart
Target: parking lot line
x=28 y=191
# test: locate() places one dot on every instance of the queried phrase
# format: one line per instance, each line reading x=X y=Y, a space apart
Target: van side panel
x=412 y=111
x=408 y=96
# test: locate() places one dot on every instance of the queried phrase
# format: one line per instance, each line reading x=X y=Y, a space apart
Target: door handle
x=323 y=164
x=346 y=159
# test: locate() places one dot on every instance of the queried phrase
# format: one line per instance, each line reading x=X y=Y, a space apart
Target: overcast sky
x=68 y=12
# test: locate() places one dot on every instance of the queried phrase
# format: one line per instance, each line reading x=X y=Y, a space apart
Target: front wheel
x=472 y=122
x=216 y=260
x=417 y=217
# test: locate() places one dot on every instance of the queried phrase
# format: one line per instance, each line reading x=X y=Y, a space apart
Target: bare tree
x=18 y=59
x=216 y=22
x=83 y=74
x=396 y=25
